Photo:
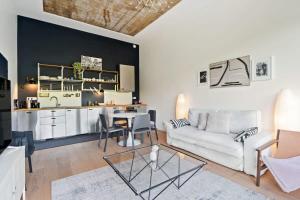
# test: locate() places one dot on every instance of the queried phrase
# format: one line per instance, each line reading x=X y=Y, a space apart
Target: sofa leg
x=30 y=164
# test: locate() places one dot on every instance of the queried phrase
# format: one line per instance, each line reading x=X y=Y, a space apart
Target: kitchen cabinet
x=83 y=121
x=45 y=132
x=59 y=130
x=27 y=121
x=56 y=123
x=52 y=123
x=93 y=119
x=72 y=122
x=127 y=78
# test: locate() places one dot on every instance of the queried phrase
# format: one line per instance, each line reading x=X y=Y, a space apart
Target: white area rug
x=105 y=184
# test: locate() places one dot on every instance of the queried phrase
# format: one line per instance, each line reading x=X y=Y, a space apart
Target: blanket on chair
x=285 y=171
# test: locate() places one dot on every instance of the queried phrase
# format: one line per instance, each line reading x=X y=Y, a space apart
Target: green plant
x=77 y=71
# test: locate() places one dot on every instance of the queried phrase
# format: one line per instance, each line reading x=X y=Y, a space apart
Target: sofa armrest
x=250 y=154
x=169 y=129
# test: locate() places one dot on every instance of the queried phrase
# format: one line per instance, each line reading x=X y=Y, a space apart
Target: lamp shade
x=286 y=111
x=181 y=107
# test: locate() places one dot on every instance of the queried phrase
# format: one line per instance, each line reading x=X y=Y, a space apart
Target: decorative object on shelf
x=262 y=69
x=233 y=72
x=181 y=107
x=91 y=63
x=202 y=77
x=96 y=91
x=77 y=70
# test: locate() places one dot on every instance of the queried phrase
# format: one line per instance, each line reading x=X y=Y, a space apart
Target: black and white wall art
x=233 y=72
x=262 y=69
x=88 y=62
x=202 y=77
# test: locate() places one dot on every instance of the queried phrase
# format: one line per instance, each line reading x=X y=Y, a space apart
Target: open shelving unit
x=63 y=81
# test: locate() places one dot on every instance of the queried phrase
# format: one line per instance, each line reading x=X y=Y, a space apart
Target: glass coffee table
x=149 y=171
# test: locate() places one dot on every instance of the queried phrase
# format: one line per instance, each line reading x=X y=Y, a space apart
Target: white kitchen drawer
x=45 y=113
x=52 y=120
x=58 y=112
x=52 y=113
x=46 y=120
x=59 y=120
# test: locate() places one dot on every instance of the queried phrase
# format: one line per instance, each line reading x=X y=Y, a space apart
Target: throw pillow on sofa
x=193 y=117
x=243 y=135
x=177 y=123
x=218 y=122
x=202 y=123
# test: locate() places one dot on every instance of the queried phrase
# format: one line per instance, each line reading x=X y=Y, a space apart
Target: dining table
x=129 y=116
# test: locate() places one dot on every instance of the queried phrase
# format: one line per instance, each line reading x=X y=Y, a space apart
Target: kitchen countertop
x=78 y=107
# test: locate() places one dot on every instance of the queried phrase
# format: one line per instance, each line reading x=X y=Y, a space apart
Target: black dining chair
x=24 y=139
x=108 y=131
x=152 y=114
x=141 y=125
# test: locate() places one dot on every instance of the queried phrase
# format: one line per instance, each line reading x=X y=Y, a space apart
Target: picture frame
x=262 y=69
x=230 y=73
x=202 y=77
x=93 y=63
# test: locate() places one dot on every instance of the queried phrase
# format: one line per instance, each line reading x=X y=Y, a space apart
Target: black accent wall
x=3 y=66
x=41 y=42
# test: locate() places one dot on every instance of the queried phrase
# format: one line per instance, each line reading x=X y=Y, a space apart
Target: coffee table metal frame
x=175 y=180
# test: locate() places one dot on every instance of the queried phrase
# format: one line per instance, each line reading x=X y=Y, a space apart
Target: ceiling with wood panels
x=124 y=16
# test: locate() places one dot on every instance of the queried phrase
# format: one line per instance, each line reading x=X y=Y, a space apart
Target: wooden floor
x=60 y=162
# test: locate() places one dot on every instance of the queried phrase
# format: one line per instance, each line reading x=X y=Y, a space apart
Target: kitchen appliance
x=31 y=101
x=5 y=113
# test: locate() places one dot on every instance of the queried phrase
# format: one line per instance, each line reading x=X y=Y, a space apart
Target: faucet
x=54 y=97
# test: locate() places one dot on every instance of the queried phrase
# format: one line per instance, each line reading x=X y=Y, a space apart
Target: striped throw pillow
x=177 y=123
x=243 y=135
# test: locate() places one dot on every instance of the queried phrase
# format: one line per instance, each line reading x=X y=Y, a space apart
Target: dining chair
x=24 y=139
x=141 y=125
x=109 y=130
x=152 y=114
x=120 y=122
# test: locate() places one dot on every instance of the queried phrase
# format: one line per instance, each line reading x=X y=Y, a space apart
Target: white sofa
x=221 y=148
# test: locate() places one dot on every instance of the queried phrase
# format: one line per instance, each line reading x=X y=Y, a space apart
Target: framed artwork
x=230 y=73
x=88 y=62
x=262 y=69
x=202 y=77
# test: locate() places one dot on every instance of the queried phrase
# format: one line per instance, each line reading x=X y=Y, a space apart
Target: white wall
x=196 y=33
x=8 y=40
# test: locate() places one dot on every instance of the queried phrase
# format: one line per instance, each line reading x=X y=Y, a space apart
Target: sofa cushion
x=243 y=135
x=242 y=120
x=202 y=123
x=218 y=122
x=213 y=141
x=177 y=123
x=193 y=117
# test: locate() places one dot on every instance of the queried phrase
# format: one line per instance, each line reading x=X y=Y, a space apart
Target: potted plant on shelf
x=77 y=71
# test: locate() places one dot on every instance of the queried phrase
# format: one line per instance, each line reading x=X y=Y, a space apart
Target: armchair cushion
x=250 y=155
